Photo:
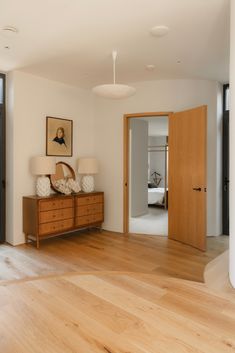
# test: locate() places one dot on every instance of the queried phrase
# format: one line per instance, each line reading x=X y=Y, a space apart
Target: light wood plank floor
x=107 y=251
x=108 y=293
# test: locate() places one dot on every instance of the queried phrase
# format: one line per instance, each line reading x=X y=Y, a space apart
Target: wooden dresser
x=45 y=217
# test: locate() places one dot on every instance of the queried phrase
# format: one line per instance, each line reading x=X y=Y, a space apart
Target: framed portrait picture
x=59 y=137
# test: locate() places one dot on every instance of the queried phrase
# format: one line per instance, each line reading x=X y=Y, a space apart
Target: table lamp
x=87 y=167
x=43 y=166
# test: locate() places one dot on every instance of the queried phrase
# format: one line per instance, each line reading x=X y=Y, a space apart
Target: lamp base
x=43 y=186
x=88 y=183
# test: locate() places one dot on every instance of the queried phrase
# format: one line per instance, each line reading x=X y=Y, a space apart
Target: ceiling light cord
x=114 y=90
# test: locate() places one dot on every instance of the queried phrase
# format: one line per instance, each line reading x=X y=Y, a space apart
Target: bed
x=156 y=196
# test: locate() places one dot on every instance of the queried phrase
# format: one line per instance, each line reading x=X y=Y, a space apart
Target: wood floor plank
x=87 y=251
x=89 y=310
x=72 y=326
x=110 y=293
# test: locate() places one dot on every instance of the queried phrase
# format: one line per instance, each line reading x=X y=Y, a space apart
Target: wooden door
x=187 y=177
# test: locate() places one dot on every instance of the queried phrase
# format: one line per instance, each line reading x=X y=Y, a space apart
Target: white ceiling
x=71 y=40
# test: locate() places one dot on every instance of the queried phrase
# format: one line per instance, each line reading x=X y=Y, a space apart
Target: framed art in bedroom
x=59 y=137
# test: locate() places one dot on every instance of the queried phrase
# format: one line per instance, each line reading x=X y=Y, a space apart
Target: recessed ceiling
x=71 y=41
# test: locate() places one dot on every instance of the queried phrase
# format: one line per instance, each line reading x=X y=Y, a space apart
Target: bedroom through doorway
x=148 y=175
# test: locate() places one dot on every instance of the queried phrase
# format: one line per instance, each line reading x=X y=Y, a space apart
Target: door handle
x=197 y=189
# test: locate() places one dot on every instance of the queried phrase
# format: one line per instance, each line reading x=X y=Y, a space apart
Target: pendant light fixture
x=114 y=90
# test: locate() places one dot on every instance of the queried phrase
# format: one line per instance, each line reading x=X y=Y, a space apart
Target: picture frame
x=59 y=137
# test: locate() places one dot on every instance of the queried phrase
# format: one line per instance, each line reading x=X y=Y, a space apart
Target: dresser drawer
x=90 y=219
x=82 y=221
x=55 y=227
x=89 y=209
x=56 y=215
x=99 y=217
x=88 y=200
x=47 y=205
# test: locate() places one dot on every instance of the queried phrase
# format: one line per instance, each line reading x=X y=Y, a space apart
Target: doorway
x=148 y=190
x=187 y=201
x=2 y=157
x=143 y=178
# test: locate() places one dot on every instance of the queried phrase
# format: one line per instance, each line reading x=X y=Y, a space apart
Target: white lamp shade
x=43 y=165
x=87 y=166
x=114 y=91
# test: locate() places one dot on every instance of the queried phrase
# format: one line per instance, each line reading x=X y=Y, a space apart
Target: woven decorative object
x=88 y=184
x=67 y=186
x=43 y=186
x=74 y=185
x=62 y=186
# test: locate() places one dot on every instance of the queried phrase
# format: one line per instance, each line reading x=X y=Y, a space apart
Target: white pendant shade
x=114 y=90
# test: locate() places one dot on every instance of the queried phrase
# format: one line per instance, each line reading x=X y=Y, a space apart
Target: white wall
x=10 y=144
x=162 y=95
x=232 y=148
x=158 y=126
x=30 y=100
x=139 y=167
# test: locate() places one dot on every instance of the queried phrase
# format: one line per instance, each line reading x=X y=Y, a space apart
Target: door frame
x=126 y=142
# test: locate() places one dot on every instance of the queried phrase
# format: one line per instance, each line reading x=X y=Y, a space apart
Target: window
x=226 y=98
x=2 y=158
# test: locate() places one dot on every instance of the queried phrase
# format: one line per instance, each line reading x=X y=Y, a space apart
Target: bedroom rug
x=155 y=222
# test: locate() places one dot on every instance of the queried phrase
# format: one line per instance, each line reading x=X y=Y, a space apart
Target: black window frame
x=225 y=88
x=225 y=163
x=3 y=162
